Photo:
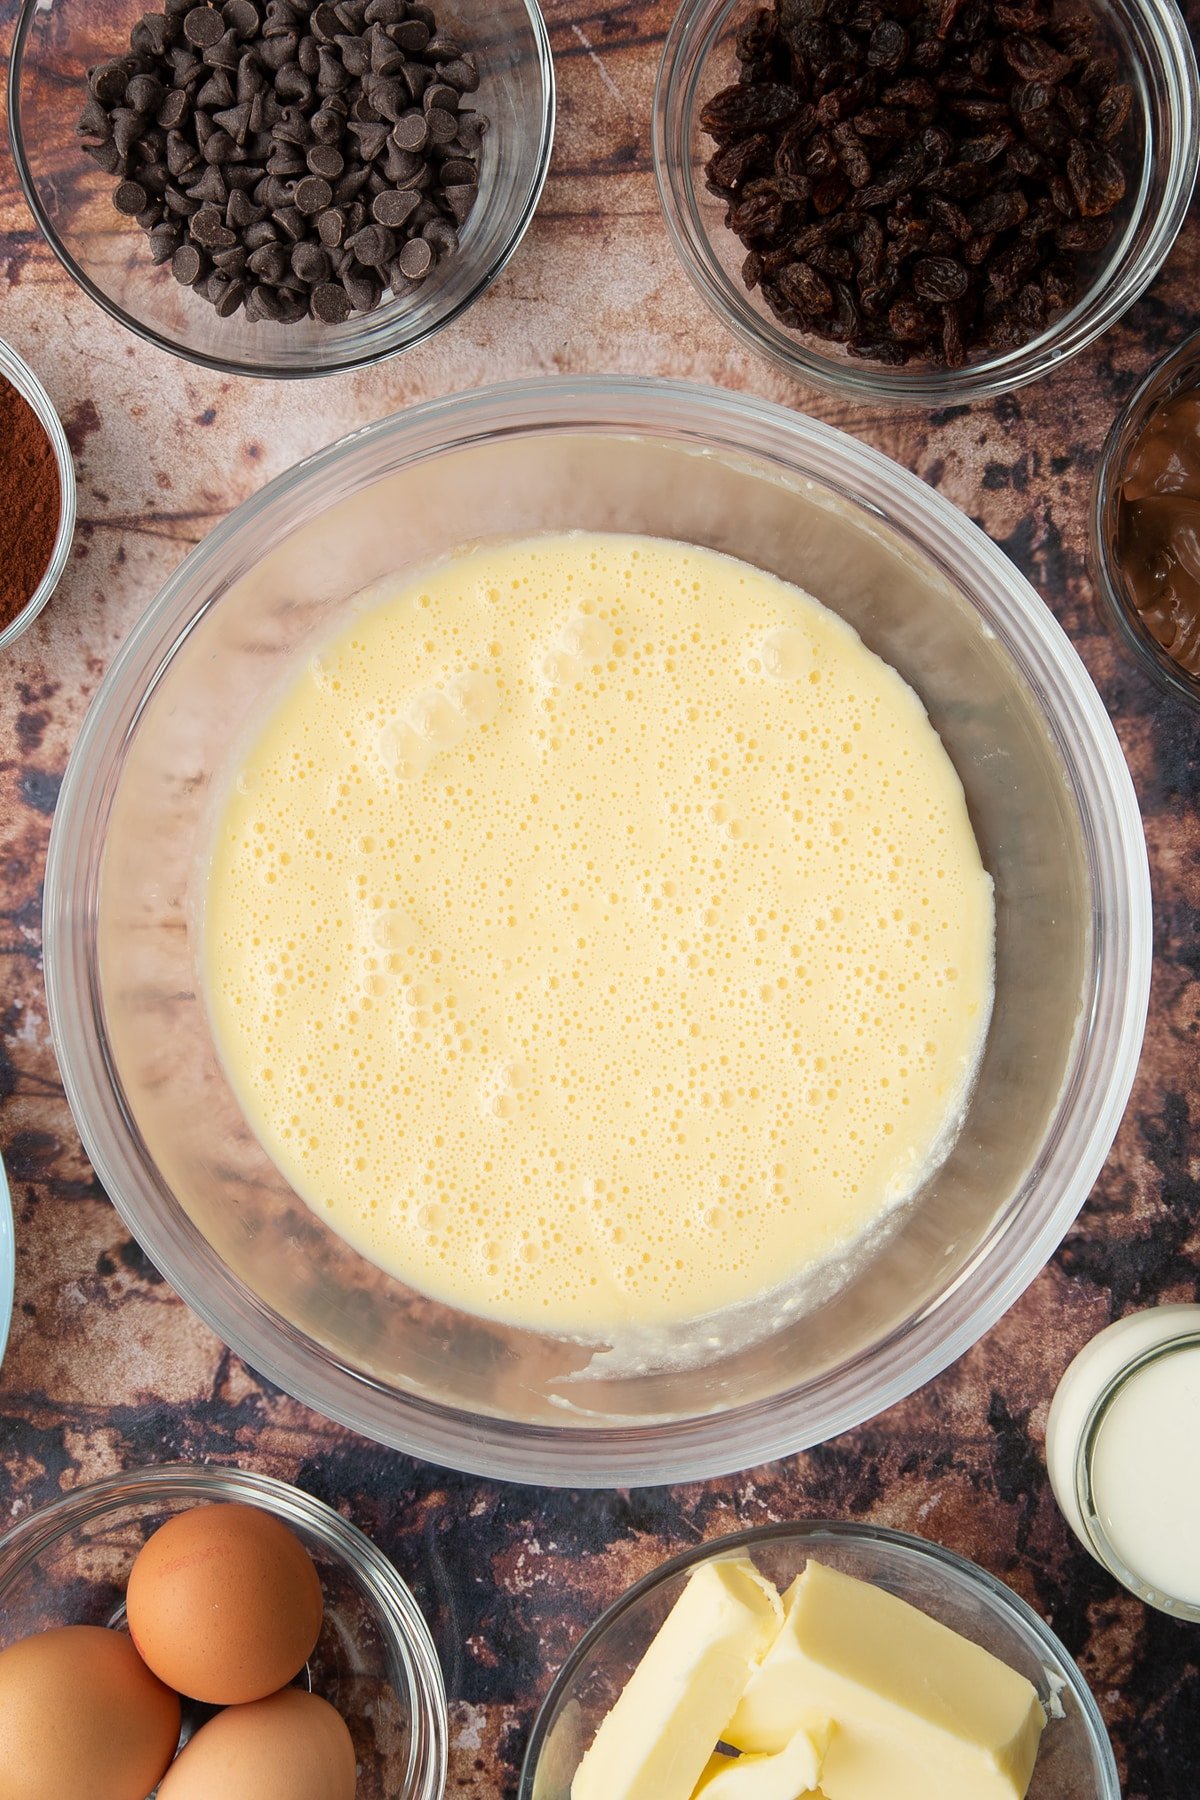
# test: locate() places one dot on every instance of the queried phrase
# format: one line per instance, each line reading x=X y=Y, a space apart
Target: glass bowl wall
x=69 y=1564
x=57 y=41
x=1050 y=798
x=1075 y=1758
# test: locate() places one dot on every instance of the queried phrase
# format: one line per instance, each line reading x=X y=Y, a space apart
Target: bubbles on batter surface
x=604 y=967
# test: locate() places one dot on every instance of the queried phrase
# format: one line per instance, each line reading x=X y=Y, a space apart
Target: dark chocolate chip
x=440 y=234
x=313 y=194
x=330 y=303
x=326 y=161
x=460 y=198
x=203 y=25
x=291 y=221
x=270 y=263
x=209 y=230
x=145 y=93
x=210 y=186
x=311 y=264
x=416 y=259
x=187 y=265
x=394 y=208
x=331 y=228
x=411 y=131
x=364 y=289
x=165 y=240
x=374 y=246
x=264 y=232
x=443 y=126
x=370 y=139
x=130 y=198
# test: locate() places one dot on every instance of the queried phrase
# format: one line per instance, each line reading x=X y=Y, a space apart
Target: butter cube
x=654 y=1743
x=788 y=1774
x=917 y=1709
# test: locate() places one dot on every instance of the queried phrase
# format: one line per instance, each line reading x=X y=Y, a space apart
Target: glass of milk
x=1123 y=1454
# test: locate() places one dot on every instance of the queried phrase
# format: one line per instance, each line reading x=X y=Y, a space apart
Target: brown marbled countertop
x=106 y=1368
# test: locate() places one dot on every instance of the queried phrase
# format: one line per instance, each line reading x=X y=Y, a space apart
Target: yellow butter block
x=918 y=1710
x=654 y=1743
x=790 y=1773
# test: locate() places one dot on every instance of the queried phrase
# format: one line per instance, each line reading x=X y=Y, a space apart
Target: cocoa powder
x=30 y=502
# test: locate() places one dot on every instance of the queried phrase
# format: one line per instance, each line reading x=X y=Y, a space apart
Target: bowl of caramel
x=1145 y=540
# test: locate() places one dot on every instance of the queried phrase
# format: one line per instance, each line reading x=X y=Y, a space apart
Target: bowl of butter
x=846 y=1662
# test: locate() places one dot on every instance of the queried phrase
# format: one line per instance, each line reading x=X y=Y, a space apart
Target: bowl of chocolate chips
x=924 y=201
x=282 y=187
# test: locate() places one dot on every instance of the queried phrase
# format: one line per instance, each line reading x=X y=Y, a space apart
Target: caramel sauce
x=1158 y=528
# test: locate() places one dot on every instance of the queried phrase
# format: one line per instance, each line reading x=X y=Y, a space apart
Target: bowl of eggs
x=195 y=1631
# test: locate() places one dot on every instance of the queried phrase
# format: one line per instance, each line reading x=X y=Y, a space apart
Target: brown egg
x=81 y=1714
x=224 y=1604
x=292 y=1746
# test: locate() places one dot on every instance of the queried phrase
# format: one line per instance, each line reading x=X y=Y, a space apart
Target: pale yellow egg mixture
x=596 y=937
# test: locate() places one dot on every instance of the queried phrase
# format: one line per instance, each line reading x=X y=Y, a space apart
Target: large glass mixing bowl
x=1052 y=805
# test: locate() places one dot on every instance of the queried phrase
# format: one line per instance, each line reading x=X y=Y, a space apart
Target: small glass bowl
x=57 y=41
x=1180 y=369
x=1075 y=1757
x=15 y=370
x=1159 y=61
x=69 y=1563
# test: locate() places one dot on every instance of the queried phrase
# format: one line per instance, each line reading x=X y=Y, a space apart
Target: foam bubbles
x=600 y=973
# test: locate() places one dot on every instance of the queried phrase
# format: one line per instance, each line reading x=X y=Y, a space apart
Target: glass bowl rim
x=396 y=1606
x=996 y=1594
x=352 y=359
x=868 y=383
x=15 y=370
x=1114 y=607
x=1089 y=1109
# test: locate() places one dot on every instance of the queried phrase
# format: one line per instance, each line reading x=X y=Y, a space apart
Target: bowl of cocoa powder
x=924 y=201
x=37 y=496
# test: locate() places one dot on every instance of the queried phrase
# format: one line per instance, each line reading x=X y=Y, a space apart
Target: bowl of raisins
x=925 y=201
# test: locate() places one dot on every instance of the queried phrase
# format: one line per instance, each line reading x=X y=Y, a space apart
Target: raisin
x=789 y=157
x=888 y=46
x=1025 y=161
x=950 y=217
x=758 y=35
x=1031 y=97
x=880 y=350
x=1112 y=112
x=940 y=279
x=759 y=216
x=1033 y=59
x=914 y=92
x=998 y=212
x=730 y=167
x=987 y=148
x=881 y=122
x=911 y=322
x=1096 y=177
x=805 y=289
x=976 y=250
x=1009 y=268
x=954 y=350
x=830 y=192
x=1084 y=236
x=869 y=242
x=736 y=110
